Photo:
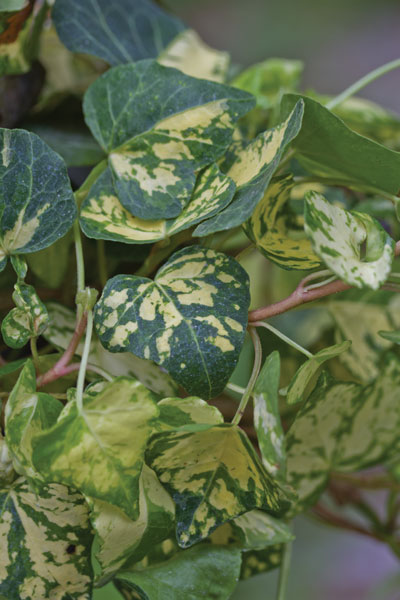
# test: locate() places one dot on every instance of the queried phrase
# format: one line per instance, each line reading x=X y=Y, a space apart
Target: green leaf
x=120 y=537
x=28 y=413
x=337 y=236
x=191 y=320
x=343 y=427
x=37 y=205
x=19 y=265
x=391 y=336
x=188 y=53
x=273 y=229
x=50 y=264
x=327 y=147
x=28 y=320
x=155 y=151
x=252 y=171
x=308 y=369
x=267 y=420
x=12 y=5
x=194 y=574
x=118 y=33
x=220 y=478
x=187 y=414
x=59 y=333
x=104 y=217
x=46 y=543
x=7 y=473
x=99 y=450
x=261 y=561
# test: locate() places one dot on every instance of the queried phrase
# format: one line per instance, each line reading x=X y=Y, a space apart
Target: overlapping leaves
x=28 y=320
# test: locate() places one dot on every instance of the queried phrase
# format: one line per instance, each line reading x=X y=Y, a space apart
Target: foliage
x=116 y=440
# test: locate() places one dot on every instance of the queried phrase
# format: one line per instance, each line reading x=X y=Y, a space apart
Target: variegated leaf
x=267 y=420
x=191 y=319
x=104 y=217
x=16 y=25
x=273 y=229
x=29 y=319
x=99 y=449
x=19 y=265
x=252 y=172
x=36 y=202
x=256 y=562
x=7 y=473
x=59 y=333
x=49 y=536
x=343 y=427
x=155 y=152
x=187 y=414
x=303 y=376
x=120 y=537
x=193 y=574
x=337 y=236
x=28 y=413
x=220 y=478
x=188 y=53
x=118 y=33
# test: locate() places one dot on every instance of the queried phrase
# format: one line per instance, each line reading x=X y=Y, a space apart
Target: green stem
x=34 y=352
x=84 y=361
x=283 y=337
x=256 y=369
x=80 y=263
x=284 y=572
x=235 y=388
x=361 y=83
x=102 y=262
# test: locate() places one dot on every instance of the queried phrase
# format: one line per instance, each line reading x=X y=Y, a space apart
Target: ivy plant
x=146 y=316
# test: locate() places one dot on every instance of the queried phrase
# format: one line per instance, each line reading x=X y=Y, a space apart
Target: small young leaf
x=309 y=368
x=46 y=543
x=37 y=205
x=122 y=32
x=188 y=53
x=267 y=420
x=191 y=320
x=99 y=451
x=337 y=235
x=28 y=320
x=220 y=478
x=271 y=229
x=19 y=265
x=252 y=172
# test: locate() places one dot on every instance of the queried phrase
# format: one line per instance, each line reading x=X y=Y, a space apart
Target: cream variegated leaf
x=191 y=319
x=220 y=479
x=49 y=535
x=252 y=171
x=120 y=538
x=159 y=128
x=28 y=320
x=99 y=448
x=337 y=236
x=37 y=206
x=104 y=217
x=306 y=372
x=188 y=53
x=267 y=420
x=187 y=414
x=273 y=229
x=256 y=562
x=7 y=473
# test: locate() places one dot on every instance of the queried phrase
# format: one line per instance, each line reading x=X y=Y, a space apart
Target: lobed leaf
x=220 y=479
x=191 y=319
x=50 y=534
x=337 y=236
x=99 y=449
x=118 y=33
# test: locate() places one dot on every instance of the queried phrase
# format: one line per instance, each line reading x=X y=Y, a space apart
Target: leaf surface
x=28 y=320
x=187 y=414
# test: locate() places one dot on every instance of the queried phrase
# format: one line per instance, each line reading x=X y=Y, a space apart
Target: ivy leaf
x=337 y=236
x=194 y=574
x=187 y=414
x=267 y=421
x=29 y=319
x=270 y=227
x=118 y=33
x=308 y=369
x=155 y=152
x=220 y=479
x=328 y=148
x=28 y=413
x=50 y=533
x=188 y=53
x=252 y=172
x=120 y=537
x=99 y=449
x=191 y=319
x=37 y=205
x=103 y=216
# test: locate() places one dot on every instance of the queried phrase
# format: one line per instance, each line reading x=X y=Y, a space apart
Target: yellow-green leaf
x=29 y=319
x=187 y=414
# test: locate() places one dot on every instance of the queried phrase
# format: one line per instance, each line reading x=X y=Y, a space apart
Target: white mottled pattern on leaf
x=337 y=236
x=29 y=318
